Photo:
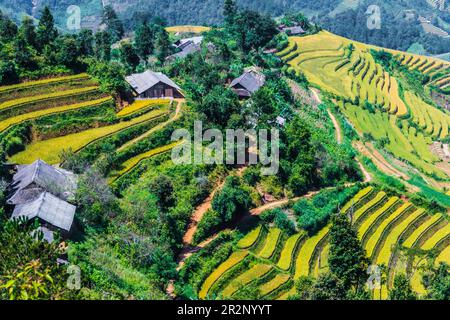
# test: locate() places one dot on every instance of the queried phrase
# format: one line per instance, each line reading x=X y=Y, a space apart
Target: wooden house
x=153 y=85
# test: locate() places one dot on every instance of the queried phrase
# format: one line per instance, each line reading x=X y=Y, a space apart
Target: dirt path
x=336 y=127
x=316 y=95
x=367 y=176
x=332 y=117
x=180 y=103
x=198 y=215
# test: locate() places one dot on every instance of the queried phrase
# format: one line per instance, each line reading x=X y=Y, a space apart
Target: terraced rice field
x=133 y=162
x=438 y=70
x=187 y=29
x=392 y=225
x=248 y=276
x=385 y=224
x=270 y=244
x=355 y=76
x=323 y=59
x=287 y=254
x=401 y=142
x=433 y=121
x=5 y=124
x=49 y=150
x=233 y=260
x=250 y=239
x=142 y=105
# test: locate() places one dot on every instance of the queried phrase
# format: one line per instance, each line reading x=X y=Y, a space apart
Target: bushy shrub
x=313 y=215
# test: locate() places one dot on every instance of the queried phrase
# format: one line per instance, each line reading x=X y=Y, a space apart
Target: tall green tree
x=85 y=42
x=23 y=55
x=68 y=52
x=8 y=73
x=347 y=259
x=46 y=31
x=229 y=12
x=113 y=24
x=128 y=56
x=28 y=30
x=162 y=44
x=254 y=30
x=402 y=289
x=328 y=287
x=102 y=45
x=162 y=187
x=231 y=200
x=145 y=40
x=437 y=281
x=8 y=28
x=219 y=104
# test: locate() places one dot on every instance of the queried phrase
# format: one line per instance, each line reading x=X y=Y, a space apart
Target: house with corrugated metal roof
x=248 y=83
x=31 y=180
x=41 y=191
x=153 y=85
x=52 y=212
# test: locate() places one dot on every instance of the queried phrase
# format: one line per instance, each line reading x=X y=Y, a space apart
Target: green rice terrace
x=271 y=260
x=46 y=118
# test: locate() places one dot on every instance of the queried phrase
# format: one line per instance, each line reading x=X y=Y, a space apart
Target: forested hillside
x=344 y=17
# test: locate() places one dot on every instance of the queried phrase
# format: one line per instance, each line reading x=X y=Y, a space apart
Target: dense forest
x=348 y=19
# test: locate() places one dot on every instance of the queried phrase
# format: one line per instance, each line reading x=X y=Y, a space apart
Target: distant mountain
x=399 y=28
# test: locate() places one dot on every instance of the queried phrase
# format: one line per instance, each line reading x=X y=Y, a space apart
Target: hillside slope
x=345 y=17
x=384 y=104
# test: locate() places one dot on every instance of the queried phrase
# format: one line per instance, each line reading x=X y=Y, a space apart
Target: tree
x=303 y=287
x=347 y=259
x=328 y=287
x=437 y=281
x=128 y=56
x=85 y=42
x=8 y=73
x=219 y=104
x=162 y=44
x=162 y=188
x=144 y=40
x=103 y=45
x=28 y=30
x=229 y=12
x=96 y=203
x=401 y=289
x=301 y=154
x=8 y=29
x=262 y=107
x=113 y=24
x=68 y=52
x=231 y=200
x=46 y=31
x=110 y=76
x=28 y=267
x=255 y=30
x=22 y=53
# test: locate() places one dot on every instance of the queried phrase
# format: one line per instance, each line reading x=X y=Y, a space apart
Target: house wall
x=161 y=91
